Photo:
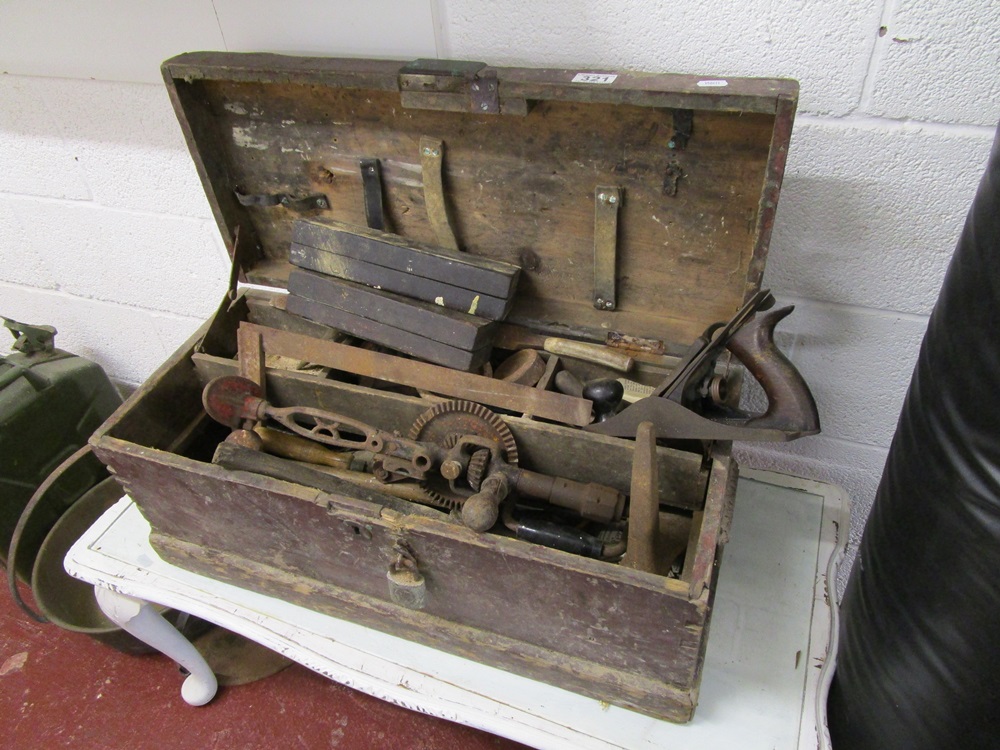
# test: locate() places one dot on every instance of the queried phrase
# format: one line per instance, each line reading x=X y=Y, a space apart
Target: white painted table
x=765 y=675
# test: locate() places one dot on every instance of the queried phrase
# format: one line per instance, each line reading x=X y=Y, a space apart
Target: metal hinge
x=450 y=86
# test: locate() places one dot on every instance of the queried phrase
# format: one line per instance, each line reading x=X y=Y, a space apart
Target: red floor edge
x=64 y=690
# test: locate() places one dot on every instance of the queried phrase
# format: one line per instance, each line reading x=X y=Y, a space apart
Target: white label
x=594 y=78
x=713 y=84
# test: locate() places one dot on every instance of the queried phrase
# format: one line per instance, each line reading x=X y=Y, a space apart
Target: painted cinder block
x=128 y=342
x=153 y=261
x=20 y=263
x=125 y=138
x=870 y=211
x=938 y=62
x=386 y=28
x=102 y=39
x=826 y=46
x=124 y=40
x=34 y=157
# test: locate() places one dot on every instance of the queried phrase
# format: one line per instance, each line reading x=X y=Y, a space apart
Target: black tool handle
x=552 y=535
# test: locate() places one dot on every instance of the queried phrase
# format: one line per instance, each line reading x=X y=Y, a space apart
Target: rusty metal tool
x=480 y=468
x=236 y=401
x=442 y=380
x=549 y=534
x=239 y=458
x=687 y=404
x=463 y=453
x=596 y=502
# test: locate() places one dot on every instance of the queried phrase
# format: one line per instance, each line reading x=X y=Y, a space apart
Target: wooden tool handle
x=596 y=353
x=301 y=449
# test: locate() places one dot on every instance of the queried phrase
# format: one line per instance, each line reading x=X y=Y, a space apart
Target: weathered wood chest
x=632 y=204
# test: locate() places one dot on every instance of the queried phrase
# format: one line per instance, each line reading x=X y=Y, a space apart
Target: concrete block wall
x=105 y=234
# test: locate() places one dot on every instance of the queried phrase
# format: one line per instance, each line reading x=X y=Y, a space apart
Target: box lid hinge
x=450 y=86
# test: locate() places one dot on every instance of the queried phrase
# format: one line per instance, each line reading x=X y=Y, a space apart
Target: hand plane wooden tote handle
x=791 y=408
x=678 y=411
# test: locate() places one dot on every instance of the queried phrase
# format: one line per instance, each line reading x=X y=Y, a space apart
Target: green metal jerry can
x=50 y=403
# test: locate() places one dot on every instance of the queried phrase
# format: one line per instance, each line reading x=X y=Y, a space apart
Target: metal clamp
x=312 y=202
x=607 y=201
x=371 y=184
x=31 y=339
x=485 y=90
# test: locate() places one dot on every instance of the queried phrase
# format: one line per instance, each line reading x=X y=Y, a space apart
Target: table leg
x=143 y=621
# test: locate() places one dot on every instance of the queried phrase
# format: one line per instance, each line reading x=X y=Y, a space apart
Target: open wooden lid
x=694 y=165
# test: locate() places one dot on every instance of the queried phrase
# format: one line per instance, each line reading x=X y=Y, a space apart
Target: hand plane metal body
x=687 y=404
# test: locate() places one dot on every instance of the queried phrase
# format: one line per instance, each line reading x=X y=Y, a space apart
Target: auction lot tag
x=594 y=78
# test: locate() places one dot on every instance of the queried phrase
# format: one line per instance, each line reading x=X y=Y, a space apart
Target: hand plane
x=688 y=403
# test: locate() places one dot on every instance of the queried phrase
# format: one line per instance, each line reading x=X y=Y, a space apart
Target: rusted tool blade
x=712 y=342
x=677 y=422
x=519 y=398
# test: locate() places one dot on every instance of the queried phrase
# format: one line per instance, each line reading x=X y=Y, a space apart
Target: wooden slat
x=419 y=259
x=520 y=398
x=424 y=319
x=389 y=336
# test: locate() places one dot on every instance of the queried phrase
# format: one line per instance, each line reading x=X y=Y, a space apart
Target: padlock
x=407 y=587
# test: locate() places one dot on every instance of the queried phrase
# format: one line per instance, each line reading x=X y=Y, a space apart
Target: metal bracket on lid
x=683 y=128
x=431 y=163
x=453 y=86
x=607 y=201
x=371 y=183
x=444 y=85
x=486 y=92
x=312 y=202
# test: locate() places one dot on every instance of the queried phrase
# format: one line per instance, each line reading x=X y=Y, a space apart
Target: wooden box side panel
x=587 y=609
x=622 y=688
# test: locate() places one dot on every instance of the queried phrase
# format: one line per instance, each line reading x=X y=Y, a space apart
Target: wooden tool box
x=635 y=205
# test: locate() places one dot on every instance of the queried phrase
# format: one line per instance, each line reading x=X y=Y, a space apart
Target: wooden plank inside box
x=698 y=170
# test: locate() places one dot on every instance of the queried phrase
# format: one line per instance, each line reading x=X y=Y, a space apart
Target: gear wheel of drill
x=452 y=419
x=443 y=424
x=479 y=462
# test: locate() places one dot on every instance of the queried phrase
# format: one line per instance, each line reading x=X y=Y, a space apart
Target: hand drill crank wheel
x=443 y=425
